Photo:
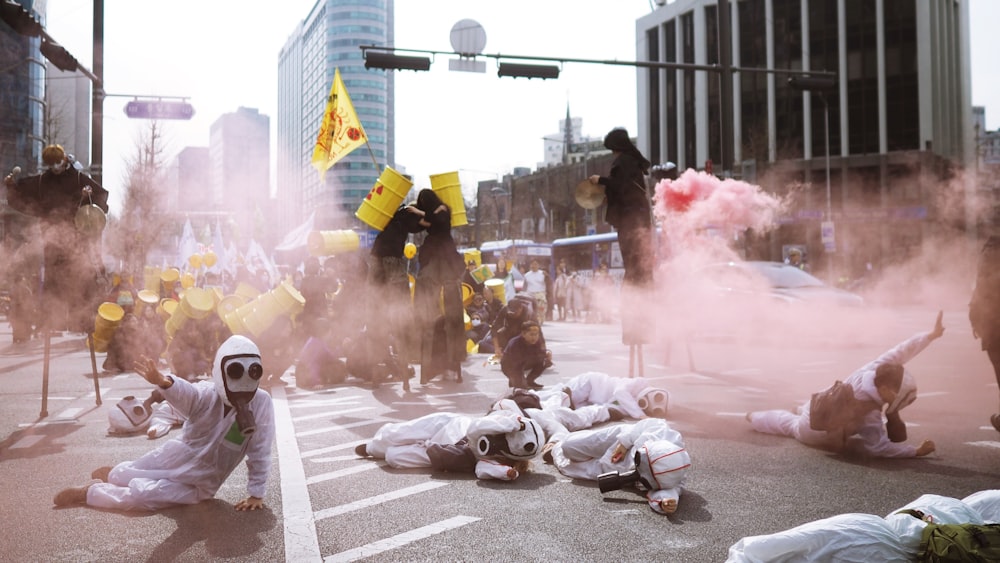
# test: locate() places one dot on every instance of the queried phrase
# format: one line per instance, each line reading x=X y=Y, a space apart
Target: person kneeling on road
x=228 y=419
x=525 y=357
x=880 y=382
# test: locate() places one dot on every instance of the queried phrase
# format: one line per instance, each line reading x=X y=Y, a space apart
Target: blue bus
x=584 y=255
x=519 y=251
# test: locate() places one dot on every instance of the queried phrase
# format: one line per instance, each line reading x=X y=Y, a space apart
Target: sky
x=222 y=54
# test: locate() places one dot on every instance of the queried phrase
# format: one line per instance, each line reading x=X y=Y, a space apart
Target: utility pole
x=97 y=97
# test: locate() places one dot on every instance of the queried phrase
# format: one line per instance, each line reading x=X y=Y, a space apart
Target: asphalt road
x=326 y=503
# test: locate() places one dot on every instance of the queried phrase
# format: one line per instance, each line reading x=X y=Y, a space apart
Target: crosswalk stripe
x=340 y=473
x=399 y=540
x=320 y=451
x=985 y=444
x=340 y=427
x=331 y=414
x=377 y=499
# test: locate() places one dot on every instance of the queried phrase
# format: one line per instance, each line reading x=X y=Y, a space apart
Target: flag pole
x=371 y=152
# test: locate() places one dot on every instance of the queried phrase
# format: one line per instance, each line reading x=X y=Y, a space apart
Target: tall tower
x=328 y=39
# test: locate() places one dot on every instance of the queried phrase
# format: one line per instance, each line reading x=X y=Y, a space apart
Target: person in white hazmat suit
x=874 y=437
x=498 y=445
x=634 y=397
x=228 y=420
x=648 y=453
x=867 y=537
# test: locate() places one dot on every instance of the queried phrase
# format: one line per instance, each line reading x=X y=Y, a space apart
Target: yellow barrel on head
x=327 y=243
x=497 y=287
x=151 y=279
x=228 y=304
x=146 y=298
x=109 y=317
x=449 y=188
x=383 y=199
x=166 y=308
x=473 y=255
x=197 y=303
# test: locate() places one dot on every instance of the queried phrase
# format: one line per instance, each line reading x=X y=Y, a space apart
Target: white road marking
x=340 y=473
x=301 y=542
x=377 y=499
x=341 y=427
x=330 y=413
x=399 y=540
x=27 y=441
x=352 y=457
x=985 y=443
x=298 y=403
x=344 y=446
x=739 y=414
x=69 y=413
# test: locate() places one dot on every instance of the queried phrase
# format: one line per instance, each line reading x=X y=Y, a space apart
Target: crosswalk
x=304 y=470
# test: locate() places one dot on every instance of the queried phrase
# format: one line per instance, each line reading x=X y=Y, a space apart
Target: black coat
x=625 y=189
x=984 y=308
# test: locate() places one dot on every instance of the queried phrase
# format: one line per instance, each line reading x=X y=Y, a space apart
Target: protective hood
x=520 y=444
x=236 y=372
x=906 y=395
x=661 y=464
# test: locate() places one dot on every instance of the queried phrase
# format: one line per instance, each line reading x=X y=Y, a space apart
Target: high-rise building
x=899 y=113
x=328 y=39
x=68 y=116
x=239 y=172
x=22 y=98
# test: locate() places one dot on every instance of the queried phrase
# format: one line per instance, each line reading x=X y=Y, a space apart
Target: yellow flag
x=341 y=131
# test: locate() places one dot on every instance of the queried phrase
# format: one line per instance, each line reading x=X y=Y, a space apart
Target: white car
x=776 y=281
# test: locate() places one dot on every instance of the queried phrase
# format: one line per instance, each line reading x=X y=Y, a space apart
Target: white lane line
x=439 y=405
x=298 y=403
x=330 y=414
x=27 y=441
x=925 y=394
x=340 y=473
x=985 y=443
x=399 y=540
x=46 y=423
x=377 y=499
x=352 y=457
x=744 y=371
x=301 y=542
x=320 y=451
x=739 y=414
x=69 y=413
x=341 y=427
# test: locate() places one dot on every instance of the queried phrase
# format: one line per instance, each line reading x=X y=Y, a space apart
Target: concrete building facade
x=899 y=116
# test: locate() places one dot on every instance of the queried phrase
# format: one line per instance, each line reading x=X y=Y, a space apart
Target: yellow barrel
x=187 y=280
x=197 y=303
x=475 y=255
x=151 y=279
x=497 y=287
x=384 y=198
x=246 y=292
x=449 y=188
x=467 y=294
x=227 y=305
x=175 y=322
x=289 y=298
x=166 y=307
x=327 y=243
x=146 y=298
x=109 y=316
x=170 y=275
x=235 y=324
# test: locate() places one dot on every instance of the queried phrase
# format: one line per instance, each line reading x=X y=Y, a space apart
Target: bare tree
x=141 y=224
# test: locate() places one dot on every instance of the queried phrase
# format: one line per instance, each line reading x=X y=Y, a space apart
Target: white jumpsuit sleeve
x=907 y=349
x=492 y=469
x=875 y=440
x=654 y=498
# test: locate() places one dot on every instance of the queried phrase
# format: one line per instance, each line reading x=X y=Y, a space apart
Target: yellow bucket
x=109 y=316
x=246 y=292
x=197 y=303
x=235 y=324
x=497 y=287
x=146 y=298
x=327 y=243
x=449 y=188
x=383 y=199
x=289 y=298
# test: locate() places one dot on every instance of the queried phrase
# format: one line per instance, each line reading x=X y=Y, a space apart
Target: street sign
x=138 y=109
x=827 y=235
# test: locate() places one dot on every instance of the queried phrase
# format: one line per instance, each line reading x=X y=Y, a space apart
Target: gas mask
x=653 y=401
x=59 y=167
x=658 y=465
x=236 y=372
x=128 y=416
x=476 y=322
x=521 y=444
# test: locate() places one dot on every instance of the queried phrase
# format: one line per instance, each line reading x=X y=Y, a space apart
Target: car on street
x=775 y=282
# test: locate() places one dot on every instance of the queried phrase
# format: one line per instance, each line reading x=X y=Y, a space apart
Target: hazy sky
x=222 y=54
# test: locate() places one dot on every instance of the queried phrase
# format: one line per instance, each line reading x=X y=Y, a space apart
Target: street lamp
x=498 y=192
x=820 y=85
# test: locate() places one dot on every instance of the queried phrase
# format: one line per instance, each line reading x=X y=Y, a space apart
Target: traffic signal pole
x=97 y=115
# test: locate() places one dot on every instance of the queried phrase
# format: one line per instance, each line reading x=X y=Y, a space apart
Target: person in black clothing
x=507 y=326
x=630 y=213
x=525 y=357
x=629 y=209
x=442 y=347
x=70 y=292
x=389 y=322
x=984 y=308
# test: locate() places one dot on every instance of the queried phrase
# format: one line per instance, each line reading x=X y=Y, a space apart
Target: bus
x=584 y=255
x=519 y=251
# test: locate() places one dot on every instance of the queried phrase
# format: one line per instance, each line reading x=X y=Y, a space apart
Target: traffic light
x=389 y=61
x=59 y=56
x=19 y=19
x=528 y=71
